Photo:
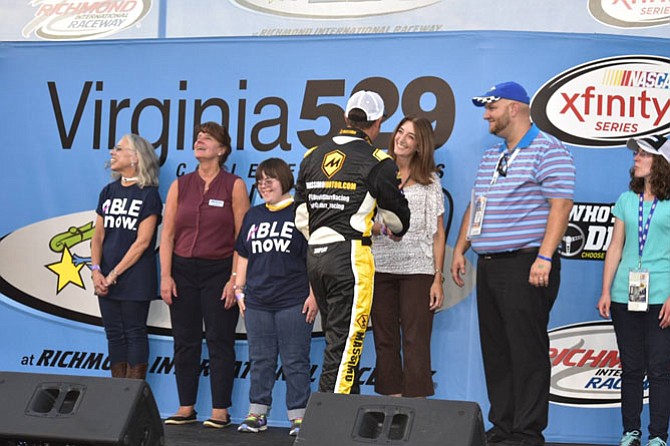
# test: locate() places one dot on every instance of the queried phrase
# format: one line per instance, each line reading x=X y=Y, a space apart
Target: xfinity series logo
x=605 y=102
x=585 y=366
x=78 y=20
x=630 y=13
x=332 y=9
x=589 y=231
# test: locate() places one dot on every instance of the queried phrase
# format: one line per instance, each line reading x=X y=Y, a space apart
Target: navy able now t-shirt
x=276 y=252
x=122 y=210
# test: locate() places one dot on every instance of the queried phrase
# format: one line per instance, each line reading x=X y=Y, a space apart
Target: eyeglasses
x=642 y=153
x=501 y=168
x=267 y=182
x=119 y=149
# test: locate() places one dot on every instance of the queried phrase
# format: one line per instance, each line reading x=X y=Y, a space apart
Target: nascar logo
x=604 y=102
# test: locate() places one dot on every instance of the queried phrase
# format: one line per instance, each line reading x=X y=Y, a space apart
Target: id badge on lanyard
x=638 y=278
x=638 y=289
x=477 y=206
x=478 y=202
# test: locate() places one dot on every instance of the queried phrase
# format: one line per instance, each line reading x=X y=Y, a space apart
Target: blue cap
x=505 y=90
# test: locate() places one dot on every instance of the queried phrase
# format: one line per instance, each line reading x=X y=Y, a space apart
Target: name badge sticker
x=216 y=203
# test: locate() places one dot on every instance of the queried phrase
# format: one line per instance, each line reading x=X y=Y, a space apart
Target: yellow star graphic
x=67 y=271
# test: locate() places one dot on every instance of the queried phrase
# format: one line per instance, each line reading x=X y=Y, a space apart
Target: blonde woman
x=123 y=255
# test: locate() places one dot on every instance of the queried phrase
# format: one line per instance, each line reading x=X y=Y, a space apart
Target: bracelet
x=238 y=287
x=233 y=274
x=540 y=256
x=95 y=267
x=114 y=275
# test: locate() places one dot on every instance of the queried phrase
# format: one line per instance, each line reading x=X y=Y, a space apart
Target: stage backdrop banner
x=65 y=104
x=60 y=20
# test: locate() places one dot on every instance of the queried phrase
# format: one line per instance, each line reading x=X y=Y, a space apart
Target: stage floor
x=196 y=434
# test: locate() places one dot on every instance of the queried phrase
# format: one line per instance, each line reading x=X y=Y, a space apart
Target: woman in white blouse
x=408 y=277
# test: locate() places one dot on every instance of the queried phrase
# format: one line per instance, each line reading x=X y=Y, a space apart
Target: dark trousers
x=341 y=275
x=402 y=324
x=200 y=287
x=513 y=319
x=644 y=348
x=125 y=324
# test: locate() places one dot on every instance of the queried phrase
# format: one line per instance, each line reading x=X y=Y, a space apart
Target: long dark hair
x=422 y=165
x=659 y=179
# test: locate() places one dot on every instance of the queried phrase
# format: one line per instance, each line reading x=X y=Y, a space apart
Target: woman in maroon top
x=203 y=215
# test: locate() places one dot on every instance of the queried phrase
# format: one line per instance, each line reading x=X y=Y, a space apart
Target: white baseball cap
x=367 y=101
x=656 y=145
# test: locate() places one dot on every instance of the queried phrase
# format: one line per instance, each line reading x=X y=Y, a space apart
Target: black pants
x=341 y=275
x=644 y=349
x=200 y=287
x=513 y=319
x=125 y=324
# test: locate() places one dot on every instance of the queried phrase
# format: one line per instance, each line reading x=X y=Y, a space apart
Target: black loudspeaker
x=339 y=420
x=41 y=409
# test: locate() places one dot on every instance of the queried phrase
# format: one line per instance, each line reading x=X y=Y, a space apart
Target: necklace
x=404 y=183
x=129 y=179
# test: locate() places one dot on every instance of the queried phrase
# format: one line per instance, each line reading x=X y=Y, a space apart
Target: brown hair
x=422 y=164
x=659 y=179
x=278 y=169
x=219 y=133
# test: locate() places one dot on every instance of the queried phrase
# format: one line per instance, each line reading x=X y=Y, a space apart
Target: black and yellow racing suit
x=341 y=186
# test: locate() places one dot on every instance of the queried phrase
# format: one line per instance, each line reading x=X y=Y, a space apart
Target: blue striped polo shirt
x=516 y=207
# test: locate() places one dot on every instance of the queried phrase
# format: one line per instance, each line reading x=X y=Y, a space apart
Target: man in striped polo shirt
x=521 y=201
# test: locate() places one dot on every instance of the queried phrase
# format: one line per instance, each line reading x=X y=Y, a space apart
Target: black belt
x=505 y=254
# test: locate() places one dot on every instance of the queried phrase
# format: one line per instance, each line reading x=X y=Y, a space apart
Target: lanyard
x=496 y=172
x=356 y=133
x=642 y=231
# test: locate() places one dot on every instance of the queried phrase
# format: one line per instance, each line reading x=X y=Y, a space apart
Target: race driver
x=341 y=186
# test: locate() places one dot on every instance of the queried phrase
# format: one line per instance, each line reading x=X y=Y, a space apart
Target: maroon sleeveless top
x=204 y=224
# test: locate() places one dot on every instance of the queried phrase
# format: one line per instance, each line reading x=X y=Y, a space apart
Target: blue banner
x=65 y=104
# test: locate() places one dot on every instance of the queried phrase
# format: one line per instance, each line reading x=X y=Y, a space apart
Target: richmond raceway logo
x=631 y=13
x=585 y=366
x=589 y=231
x=79 y=20
x=604 y=102
x=332 y=9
